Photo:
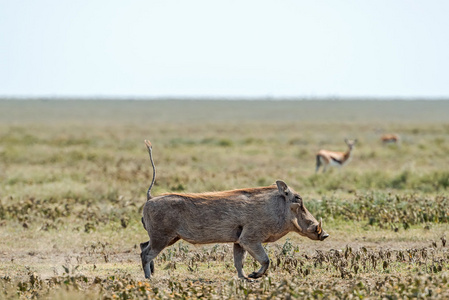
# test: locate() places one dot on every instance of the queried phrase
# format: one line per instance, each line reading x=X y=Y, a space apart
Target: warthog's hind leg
x=145 y=248
x=239 y=256
x=150 y=250
x=256 y=250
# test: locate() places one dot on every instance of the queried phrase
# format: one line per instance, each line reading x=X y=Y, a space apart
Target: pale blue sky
x=200 y=48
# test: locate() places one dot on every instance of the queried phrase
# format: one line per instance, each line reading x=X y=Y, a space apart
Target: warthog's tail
x=149 y=147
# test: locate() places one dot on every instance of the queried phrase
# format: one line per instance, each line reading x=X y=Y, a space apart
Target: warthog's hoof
x=254 y=275
x=246 y=279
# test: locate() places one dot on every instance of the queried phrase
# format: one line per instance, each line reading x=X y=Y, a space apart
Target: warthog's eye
x=297 y=199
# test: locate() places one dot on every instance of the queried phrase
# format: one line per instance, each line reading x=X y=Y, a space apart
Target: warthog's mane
x=248 y=192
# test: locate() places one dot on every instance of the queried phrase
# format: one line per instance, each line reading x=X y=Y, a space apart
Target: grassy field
x=73 y=178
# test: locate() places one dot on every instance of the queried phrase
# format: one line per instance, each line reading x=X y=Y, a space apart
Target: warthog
x=246 y=217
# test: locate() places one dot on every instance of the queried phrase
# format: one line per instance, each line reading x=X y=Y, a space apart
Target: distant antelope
x=326 y=158
x=390 y=139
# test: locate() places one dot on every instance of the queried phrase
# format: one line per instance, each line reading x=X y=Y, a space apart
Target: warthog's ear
x=283 y=189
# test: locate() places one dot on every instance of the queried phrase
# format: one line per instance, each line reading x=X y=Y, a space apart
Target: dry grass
x=73 y=177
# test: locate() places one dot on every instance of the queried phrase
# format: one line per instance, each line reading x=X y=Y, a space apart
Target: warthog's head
x=303 y=221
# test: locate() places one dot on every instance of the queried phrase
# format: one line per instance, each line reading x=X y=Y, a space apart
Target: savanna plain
x=74 y=175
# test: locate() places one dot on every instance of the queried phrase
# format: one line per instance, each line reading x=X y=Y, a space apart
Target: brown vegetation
x=73 y=177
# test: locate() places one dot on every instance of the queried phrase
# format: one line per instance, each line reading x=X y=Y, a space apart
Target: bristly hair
x=249 y=192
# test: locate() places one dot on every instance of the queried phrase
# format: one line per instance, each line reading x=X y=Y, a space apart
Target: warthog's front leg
x=239 y=256
x=256 y=250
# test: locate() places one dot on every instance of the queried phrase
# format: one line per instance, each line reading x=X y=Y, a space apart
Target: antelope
x=390 y=139
x=331 y=158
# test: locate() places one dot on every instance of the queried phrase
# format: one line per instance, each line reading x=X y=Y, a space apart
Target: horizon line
x=220 y=98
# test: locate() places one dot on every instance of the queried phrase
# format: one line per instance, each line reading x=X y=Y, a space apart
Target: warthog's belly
x=209 y=235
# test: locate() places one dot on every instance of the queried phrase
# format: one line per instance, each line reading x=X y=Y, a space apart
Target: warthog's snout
x=323 y=236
